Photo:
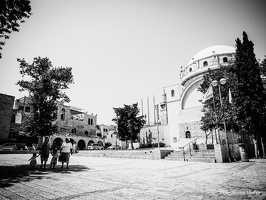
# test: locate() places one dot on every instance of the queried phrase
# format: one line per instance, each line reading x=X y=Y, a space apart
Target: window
x=225 y=59
x=172 y=93
x=73 y=130
x=190 y=69
x=205 y=63
x=86 y=133
x=63 y=114
x=89 y=121
x=27 y=109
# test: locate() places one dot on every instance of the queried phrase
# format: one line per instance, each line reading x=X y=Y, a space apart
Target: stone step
x=195 y=156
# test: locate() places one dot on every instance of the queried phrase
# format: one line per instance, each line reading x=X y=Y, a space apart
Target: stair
x=196 y=156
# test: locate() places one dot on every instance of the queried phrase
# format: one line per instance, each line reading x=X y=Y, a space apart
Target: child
x=54 y=159
x=33 y=161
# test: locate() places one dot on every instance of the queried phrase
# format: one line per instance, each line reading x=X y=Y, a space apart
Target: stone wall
x=6 y=105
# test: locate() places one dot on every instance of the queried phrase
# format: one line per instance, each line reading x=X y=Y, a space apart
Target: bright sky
x=124 y=50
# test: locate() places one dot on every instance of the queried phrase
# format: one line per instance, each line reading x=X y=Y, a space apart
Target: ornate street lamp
x=214 y=83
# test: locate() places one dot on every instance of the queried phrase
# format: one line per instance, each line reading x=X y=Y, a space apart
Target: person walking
x=66 y=150
x=44 y=152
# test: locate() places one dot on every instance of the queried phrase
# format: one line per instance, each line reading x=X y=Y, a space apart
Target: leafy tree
x=249 y=96
x=214 y=113
x=128 y=122
x=12 y=12
x=44 y=84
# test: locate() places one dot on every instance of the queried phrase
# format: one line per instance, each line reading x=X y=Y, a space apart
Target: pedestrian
x=74 y=147
x=44 y=152
x=33 y=160
x=54 y=158
x=66 y=150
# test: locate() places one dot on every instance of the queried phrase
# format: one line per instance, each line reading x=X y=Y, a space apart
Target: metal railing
x=183 y=148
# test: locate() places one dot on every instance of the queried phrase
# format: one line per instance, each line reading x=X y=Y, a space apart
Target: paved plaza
x=116 y=178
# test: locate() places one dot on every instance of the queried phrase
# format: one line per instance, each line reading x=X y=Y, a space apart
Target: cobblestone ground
x=115 y=178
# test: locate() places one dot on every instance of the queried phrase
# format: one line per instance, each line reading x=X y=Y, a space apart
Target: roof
x=209 y=51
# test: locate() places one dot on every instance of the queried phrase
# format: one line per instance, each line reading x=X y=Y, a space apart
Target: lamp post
x=214 y=83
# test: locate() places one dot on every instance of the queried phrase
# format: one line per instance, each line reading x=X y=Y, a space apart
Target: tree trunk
x=131 y=141
x=40 y=141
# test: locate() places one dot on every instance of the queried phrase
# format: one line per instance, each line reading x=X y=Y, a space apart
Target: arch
x=81 y=145
x=225 y=59
x=100 y=143
x=205 y=63
x=193 y=100
x=86 y=133
x=58 y=142
x=188 y=134
x=90 y=143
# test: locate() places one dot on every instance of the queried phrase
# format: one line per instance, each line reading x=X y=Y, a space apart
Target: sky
x=122 y=51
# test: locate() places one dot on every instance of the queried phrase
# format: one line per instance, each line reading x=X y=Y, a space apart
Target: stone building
x=72 y=122
x=181 y=108
x=6 y=106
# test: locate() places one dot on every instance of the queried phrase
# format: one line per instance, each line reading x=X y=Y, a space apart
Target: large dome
x=217 y=49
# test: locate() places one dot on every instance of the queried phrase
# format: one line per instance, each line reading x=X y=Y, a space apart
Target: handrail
x=183 y=147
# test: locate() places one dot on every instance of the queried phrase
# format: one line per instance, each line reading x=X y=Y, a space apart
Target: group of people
x=62 y=156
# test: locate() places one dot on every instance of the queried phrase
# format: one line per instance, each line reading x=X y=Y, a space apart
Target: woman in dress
x=66 y=150
x=44 y=152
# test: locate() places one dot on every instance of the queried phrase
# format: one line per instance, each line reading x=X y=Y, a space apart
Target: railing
x=183 y=148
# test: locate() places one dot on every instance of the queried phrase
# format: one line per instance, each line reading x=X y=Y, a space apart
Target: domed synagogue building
x=181 y=109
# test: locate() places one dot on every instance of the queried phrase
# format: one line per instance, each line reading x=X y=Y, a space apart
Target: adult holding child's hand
x=66 y=149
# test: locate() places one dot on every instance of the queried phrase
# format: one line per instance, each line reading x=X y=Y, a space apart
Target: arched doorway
x=100 y=143
x=81 y=145
x=188 y=135
x=90 y=143
x=58 y=142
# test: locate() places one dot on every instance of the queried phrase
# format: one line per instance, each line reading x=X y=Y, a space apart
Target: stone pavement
x=119 y=179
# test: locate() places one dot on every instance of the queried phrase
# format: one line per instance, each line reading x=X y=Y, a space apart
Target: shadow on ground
x=19 y=173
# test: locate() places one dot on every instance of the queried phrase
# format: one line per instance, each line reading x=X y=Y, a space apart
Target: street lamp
x=214 y=83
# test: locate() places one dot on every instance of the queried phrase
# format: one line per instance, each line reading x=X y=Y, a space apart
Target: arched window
x=225 y=59
x=188 y=135
x=190 y=69
x=63 y=114
x=86 y=133
x=73 y=130
x=205 y=63
x=172 y=93
x=91 y=121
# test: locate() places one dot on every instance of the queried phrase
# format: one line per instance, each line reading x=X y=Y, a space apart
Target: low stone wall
x=152 y=154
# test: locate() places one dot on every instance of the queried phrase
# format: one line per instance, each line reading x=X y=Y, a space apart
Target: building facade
x=6 y=110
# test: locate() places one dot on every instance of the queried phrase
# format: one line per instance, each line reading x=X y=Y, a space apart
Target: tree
x=12 y=13
x=44 y=84
x=128 y=122
x=214 y=113
x=249 y=95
